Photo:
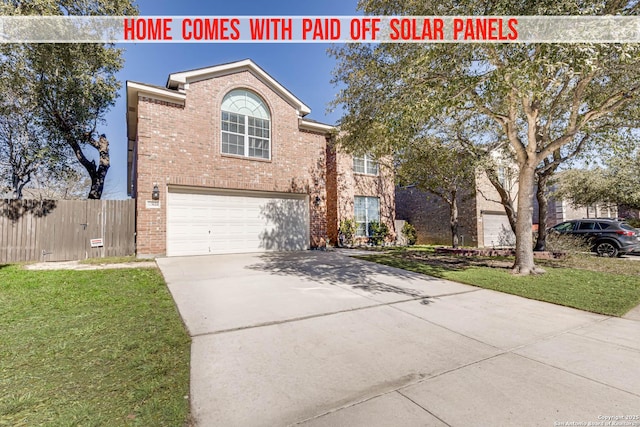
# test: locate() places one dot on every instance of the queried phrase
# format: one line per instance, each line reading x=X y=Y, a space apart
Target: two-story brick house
x=222 y=160
x=482 y=219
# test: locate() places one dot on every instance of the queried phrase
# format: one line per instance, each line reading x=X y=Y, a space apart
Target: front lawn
x=91 y=348
x=114 y=260
x=586 y=283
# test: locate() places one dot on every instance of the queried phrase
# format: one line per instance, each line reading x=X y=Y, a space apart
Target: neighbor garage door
x=200 y=223
x=497 y=231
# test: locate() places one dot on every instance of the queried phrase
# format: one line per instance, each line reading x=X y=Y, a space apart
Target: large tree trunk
x=99 y=173
x=453 y=211
x=97 y=182
x=18 y=182
x=543 y=206
x=524 y=263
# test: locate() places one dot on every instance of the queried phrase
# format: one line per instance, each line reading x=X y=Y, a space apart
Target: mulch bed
x=489 y=252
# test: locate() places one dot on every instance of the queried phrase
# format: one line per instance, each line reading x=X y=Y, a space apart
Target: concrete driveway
x=321 y=339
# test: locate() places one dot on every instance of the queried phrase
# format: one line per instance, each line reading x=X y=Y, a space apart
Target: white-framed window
x=366 y=211
x=365 y=164
x=246 y=125
x=505 y=176
x=560 y=210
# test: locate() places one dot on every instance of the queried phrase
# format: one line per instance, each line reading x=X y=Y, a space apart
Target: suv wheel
x=606 y=249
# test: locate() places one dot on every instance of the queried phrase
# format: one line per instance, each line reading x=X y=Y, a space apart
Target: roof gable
x=179 y=80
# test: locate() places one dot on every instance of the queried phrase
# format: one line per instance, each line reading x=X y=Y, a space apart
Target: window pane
x=366 y=210
x=259 y=148
x=245 y=119
x=232 y=143
x=365 y=164
x=372 y=167
x=360 y=210
x=565 y=226
x=373 y=209
x=360 y=215
x=232 y=122
x=502 y=175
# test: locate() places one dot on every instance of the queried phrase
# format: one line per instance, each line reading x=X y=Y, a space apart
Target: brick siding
x=180 y=145
x=429 y=214
x=343 y=185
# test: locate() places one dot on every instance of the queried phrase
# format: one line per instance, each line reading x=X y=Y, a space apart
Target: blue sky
x=304 y=69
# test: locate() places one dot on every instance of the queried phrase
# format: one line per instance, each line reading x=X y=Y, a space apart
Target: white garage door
x=200 y=224
x=497 y=231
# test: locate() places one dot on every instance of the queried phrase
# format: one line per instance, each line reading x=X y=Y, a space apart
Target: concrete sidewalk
x=321 y=339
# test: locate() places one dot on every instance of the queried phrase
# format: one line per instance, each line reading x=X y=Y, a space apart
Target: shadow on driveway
x=338 y=269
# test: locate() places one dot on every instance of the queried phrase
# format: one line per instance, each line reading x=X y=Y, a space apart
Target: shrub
x=347 y=230
x=409 y=232
x=566 y=243
x=634 y=222
x=379 y=232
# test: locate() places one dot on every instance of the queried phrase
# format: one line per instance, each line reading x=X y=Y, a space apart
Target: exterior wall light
x=317 y=201
x=155 y=194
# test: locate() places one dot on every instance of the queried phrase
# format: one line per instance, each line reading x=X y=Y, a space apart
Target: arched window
x=246 y=125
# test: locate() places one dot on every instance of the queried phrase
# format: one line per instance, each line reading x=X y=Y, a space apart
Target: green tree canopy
x=442 y=169
x=72 y=85
x=537 y=98
x=618 y=181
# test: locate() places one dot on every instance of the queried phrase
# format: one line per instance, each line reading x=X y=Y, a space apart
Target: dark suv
x=608 y=237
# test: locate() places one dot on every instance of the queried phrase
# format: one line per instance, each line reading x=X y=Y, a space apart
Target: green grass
x=91 y=348
x=596 y=291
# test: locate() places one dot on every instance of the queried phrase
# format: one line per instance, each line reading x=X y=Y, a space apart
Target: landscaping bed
x=92 y=348
x=488 y=252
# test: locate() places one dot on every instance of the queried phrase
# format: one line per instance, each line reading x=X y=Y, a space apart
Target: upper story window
x=246 y=125
x=365 y=164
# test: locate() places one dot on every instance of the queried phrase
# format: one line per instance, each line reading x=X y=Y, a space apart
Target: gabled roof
x=177 y=81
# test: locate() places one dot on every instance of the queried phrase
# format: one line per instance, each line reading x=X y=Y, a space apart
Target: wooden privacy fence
x=61 y=230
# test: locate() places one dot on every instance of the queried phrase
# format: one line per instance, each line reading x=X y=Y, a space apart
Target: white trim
x=367 y=162
x=314 y=126
x=246 y=114
x=191 y=189
x=177 y=80
x=245 y=136
x=156 y=92
x=134 y=90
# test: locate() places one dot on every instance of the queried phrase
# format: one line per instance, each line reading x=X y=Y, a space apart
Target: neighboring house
x=563 y=210
x=222 y=160
x=628 y=212
x=481 y=217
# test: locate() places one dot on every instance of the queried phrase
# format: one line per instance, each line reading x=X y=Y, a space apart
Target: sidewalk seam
x=577 y=375
x=423 y=408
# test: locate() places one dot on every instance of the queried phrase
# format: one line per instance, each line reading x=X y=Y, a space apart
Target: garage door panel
x=221 y=223
x=497 y=230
